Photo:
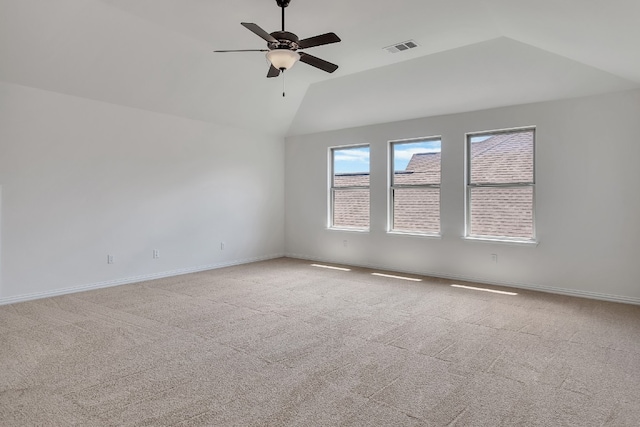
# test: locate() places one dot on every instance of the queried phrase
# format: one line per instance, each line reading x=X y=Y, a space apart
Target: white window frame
x=470 y=186
x=392 y=187
x=332 y=188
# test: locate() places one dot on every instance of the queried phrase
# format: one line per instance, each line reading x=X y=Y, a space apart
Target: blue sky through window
x=402 y=152
x=351 y=160
x=356 y=160
x=480 y=138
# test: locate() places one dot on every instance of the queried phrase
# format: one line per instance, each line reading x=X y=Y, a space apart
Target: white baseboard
x=134 y=279
x=532 y=287
x=142 y=278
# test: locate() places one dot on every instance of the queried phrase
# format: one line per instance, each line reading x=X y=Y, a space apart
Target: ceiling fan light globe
x=283 y=59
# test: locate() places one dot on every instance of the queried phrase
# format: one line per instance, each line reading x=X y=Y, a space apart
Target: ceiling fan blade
x=255 y=28
x=242 y=50
x=273 y=72
x=317 y=62
x=319 y=40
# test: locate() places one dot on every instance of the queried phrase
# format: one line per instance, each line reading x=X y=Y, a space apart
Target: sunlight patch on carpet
x=412 y=279
x=330 y=267
x=484 y=290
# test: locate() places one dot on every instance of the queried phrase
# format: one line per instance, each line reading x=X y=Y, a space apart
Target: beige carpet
x=283 y=343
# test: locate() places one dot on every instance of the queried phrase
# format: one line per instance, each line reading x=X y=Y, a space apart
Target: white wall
x=587 y=208
x=82 y=179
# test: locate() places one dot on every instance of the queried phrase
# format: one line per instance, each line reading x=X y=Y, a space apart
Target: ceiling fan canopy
x=283 y=47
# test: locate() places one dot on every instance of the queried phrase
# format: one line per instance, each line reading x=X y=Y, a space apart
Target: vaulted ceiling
x=473 y=54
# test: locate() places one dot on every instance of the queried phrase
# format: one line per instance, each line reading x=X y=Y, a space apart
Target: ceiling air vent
x=399 y=47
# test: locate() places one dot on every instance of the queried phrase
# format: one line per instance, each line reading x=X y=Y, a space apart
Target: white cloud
x=352 y=156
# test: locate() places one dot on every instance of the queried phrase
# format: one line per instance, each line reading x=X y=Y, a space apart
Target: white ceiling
x=157 y=55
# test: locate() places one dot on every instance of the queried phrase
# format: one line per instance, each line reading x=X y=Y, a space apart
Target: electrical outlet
x=156 y=254
x=494 y=258
x=222 y=246
x=110 y=259
x=345 y=243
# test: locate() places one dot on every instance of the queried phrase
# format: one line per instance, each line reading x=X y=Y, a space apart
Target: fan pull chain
x=283 y=83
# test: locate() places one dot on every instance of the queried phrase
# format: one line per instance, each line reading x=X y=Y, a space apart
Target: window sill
x=502 y=241
x=415 y=234
x=351 y=230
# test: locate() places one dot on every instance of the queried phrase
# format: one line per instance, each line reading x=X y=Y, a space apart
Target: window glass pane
x=351 y=208
x=351 y=167
x=416 y=162
x=416 y=209
x=502 y=158
x=351 y=180
x=502 y=212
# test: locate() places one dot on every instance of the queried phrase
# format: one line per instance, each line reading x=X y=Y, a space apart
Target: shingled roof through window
x=506 y=212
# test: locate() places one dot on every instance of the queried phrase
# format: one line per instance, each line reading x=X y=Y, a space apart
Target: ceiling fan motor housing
x=286 y=40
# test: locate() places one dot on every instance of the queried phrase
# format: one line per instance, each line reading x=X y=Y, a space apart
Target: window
x=415 y=186
x=350 y=188
x=500 y=185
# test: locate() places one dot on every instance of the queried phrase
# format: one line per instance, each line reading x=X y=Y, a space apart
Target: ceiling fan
x=283 y=47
